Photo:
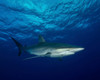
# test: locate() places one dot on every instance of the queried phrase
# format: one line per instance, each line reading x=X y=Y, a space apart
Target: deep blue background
x=81 y=66
x=84 y=65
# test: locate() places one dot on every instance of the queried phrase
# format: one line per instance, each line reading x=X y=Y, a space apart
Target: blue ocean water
x=66 y=21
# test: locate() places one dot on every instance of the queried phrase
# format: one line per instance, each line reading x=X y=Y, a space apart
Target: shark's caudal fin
x=18 y=45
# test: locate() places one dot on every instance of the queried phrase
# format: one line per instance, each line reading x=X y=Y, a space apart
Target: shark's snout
x=70 y=49
x=78 y=49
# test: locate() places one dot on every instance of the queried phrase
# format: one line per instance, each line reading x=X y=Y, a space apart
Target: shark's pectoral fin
x=32 y=57
x=48 y=54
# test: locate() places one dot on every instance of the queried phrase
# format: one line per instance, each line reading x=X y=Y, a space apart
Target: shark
x=46 y=49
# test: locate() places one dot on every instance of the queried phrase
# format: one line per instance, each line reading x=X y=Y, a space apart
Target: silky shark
x=45 y=49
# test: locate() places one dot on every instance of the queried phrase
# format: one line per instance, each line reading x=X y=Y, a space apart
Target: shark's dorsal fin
x=41 y=39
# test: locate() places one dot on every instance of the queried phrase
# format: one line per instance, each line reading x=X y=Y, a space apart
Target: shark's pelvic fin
x=60 y=59
x=41 y=39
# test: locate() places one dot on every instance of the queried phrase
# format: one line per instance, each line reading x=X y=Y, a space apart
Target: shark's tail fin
x=18 y=45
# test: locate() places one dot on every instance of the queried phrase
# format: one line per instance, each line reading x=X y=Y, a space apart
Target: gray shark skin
x=45 y=49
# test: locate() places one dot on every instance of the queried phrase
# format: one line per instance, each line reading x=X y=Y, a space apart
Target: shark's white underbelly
x=53 y=53
x=61 y=54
